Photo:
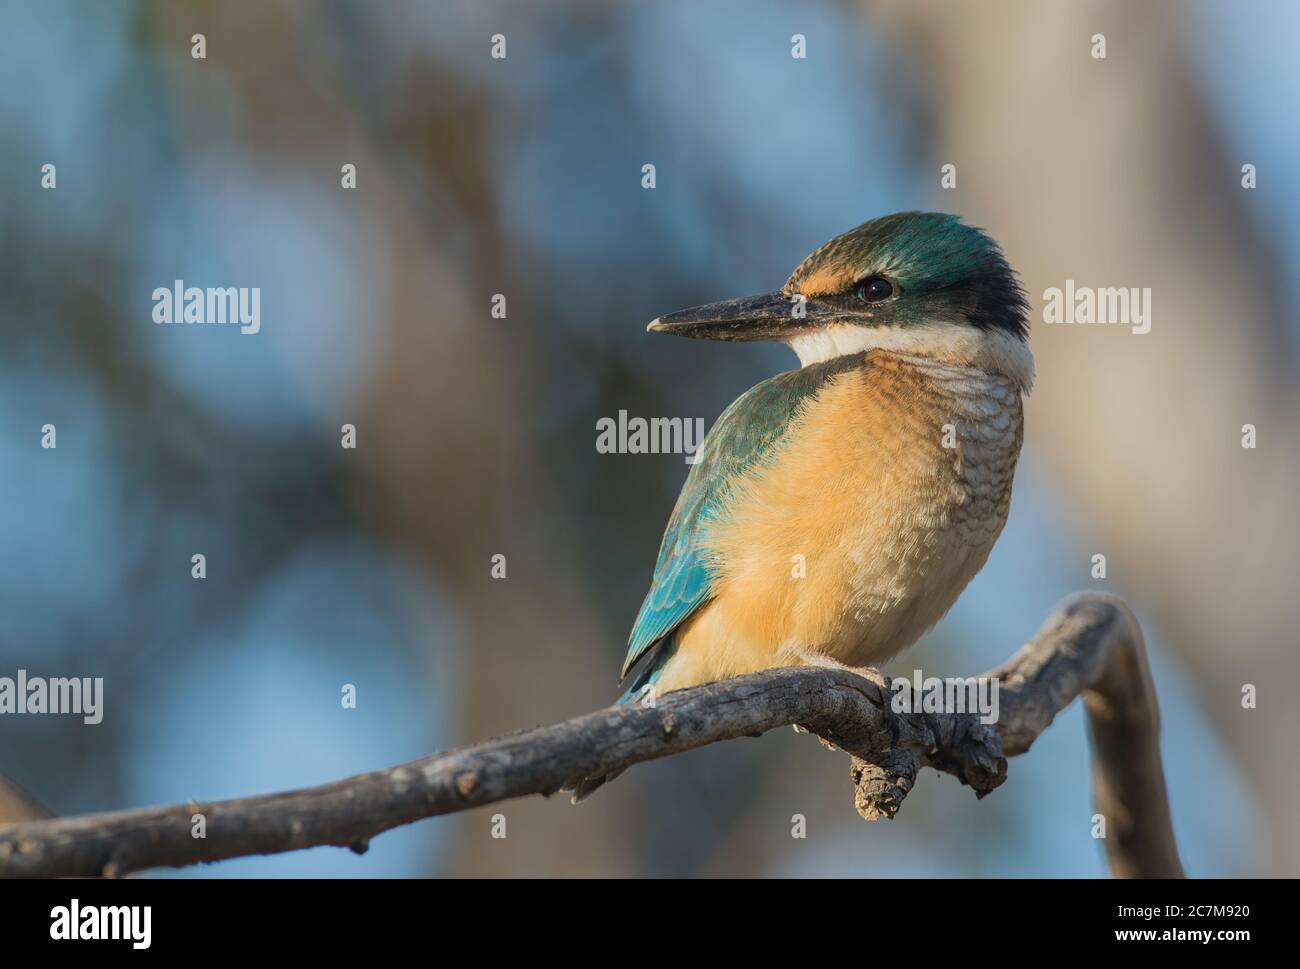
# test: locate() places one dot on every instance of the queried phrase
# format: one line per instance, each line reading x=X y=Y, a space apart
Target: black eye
x=875 y=289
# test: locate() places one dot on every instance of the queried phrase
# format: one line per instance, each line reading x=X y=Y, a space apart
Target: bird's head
x=923 y=283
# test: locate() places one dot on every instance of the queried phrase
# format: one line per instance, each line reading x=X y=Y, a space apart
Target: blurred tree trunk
x=444 y=466
x=1111 y=173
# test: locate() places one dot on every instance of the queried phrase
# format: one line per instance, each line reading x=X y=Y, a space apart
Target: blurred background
x=476 y=436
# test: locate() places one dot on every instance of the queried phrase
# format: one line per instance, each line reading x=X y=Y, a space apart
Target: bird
x=835 y=512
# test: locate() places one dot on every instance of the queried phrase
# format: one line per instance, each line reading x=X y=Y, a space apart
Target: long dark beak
x=772 y=316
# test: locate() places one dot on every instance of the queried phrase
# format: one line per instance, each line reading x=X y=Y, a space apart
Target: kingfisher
x=835 y=512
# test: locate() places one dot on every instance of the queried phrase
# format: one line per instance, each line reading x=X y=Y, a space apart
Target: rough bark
x=1090 y=645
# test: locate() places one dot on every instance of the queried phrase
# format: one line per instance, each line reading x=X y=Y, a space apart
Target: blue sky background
x=230 y=687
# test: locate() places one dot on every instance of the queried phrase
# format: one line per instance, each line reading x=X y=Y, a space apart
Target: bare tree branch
x=1090 y=645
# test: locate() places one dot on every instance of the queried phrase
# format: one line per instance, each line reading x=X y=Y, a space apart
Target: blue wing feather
x=746 y=435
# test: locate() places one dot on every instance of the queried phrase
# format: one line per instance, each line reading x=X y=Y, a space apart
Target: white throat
x=993 y=351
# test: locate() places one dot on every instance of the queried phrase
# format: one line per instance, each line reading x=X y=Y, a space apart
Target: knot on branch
x=882 y=784
x=969 y=750
x=957 y=744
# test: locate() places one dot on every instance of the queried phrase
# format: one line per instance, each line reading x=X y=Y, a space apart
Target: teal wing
x=745 y=436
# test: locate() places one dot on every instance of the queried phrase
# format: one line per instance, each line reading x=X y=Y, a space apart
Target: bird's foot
x=826 y=662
